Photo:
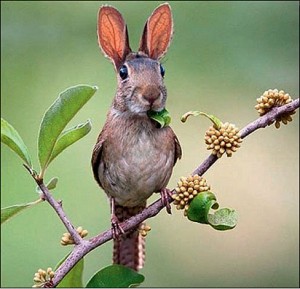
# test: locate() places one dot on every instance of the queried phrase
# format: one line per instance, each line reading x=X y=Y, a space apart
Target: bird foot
x=165 y=194
x=116 y=227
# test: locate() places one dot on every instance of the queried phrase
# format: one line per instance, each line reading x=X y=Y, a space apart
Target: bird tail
x=129 y=249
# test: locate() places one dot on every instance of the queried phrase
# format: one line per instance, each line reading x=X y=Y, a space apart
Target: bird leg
x=117 y=230
x=165 y=194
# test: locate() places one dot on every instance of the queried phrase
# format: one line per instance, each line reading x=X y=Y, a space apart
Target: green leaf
x=74 y=278
x=69 y=137
x=163 y=117
x=185 y=116
x=115 y=276
x=57 y=117
x=223 y=219
x=11 y=138
x=217 y=123
x=200 y=206
x=50 y=185
x=9 y=212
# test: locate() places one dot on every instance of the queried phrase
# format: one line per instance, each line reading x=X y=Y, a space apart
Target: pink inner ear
x=112 y=35
x=158 y=32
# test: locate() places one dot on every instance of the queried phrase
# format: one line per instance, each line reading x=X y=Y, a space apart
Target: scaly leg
x=117 y=230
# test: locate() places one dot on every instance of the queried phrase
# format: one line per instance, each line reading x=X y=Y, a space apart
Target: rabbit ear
x=157 y=32
x=113 y=35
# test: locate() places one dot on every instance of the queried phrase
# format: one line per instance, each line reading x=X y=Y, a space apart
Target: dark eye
x=123 y=72
x=162 y=71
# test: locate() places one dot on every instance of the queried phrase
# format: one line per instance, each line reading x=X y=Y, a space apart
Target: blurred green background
x=223 y=56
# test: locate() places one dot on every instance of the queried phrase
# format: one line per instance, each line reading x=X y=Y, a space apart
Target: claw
x=165 y=194
x=117 y=230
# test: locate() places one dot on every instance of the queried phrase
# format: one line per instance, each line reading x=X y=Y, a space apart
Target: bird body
x=136 y=159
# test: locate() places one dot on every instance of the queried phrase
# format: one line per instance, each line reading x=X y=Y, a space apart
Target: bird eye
x=123 y=72
x=162 y=71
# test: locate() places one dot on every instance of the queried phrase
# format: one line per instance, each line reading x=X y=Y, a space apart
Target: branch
x=261 y=122
x=83 y=247
x=57 y=206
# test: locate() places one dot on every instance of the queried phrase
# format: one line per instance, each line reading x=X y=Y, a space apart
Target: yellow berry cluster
x=144 y=229
x=272 y=98
x=41 y=277
x=225 y=139
x=67 y=238
x=187 y=189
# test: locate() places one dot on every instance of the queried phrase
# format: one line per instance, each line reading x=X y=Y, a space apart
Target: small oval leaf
x=162 y=117
x=50 y=185
x=69 y=137
x=74 y=278
x=57 y=117
x=223 y=219
x=9 y=212
x=115 y=276
x=200 y=206
x=12 y=139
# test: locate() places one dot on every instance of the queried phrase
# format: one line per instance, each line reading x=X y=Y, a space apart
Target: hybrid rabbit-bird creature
x=133 y=157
